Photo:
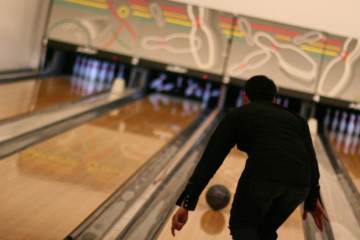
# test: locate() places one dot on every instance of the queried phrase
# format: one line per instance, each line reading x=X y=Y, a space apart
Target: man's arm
x=314 y=194
x=220 y=143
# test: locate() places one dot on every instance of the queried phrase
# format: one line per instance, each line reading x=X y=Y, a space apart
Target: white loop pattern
x=308 y=75
x=156 y=42
x=348 y=61
x=309 y=37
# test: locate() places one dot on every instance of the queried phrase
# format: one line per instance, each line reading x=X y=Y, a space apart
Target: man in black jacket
x=281 y=170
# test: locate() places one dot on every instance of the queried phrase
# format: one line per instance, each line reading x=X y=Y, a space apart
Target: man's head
x=260 y=88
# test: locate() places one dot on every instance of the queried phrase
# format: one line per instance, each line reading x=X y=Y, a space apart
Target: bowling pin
x=102 y=73
x=357 y=127
x=206 y=95
x=351 y=125
x=349 y=133
x=334 y=124
x=76 y=67
x=343 y=122
x=335 y=120
x=83 y=65
x=356 y=136
x=93 y=76
x=75 y=75
x=98 y=84
x=111 y=73
x=88 y=68
x=341 y=134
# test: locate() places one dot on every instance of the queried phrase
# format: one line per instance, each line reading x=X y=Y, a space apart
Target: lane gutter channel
x=30 y=138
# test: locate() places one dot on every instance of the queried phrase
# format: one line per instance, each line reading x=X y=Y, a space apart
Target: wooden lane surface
x=203 y=223
x=347 y=149
x=49 y=189
x=33 y=95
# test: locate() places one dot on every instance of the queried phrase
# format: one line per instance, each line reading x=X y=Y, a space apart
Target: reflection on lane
x=33 y=95
x=347 y=149
x=56 y=184
x=204 y=223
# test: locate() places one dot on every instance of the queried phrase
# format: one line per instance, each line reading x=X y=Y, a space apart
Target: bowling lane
x=47 y=190
x=204 y=223
x=347 y=149
x=33 y=95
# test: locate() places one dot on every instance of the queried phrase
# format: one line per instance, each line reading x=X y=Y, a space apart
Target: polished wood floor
x=34 y=95
x=205 y=224
x=47 y=190
x=347 y=149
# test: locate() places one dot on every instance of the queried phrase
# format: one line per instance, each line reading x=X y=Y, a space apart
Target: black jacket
x=278 y=144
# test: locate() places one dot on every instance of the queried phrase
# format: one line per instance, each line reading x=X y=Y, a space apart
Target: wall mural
x=196 y=37
x=340 y=76
x=289 y=55
x=159 y=30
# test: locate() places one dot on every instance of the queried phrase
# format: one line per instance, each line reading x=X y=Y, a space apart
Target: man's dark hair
x=260 y=88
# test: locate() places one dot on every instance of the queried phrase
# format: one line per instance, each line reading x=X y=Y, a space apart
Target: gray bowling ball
x=218 y=197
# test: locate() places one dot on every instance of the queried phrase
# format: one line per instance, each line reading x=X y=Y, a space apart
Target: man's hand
x=318 y=214
x=179 y=219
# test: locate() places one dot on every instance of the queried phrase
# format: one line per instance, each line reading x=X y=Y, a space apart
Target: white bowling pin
x=351 y=125
x=89 y=68
x=76 y=66
x=206 y=95
x=102 y=73
x=83 y=67
x=356 y=136
x=111 y=73
x=343 y=122
x=94 y=70
x=334 y=124
x=357 y=127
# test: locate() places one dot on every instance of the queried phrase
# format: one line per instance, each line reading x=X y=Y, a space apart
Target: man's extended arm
x=314 y=194
x=220 y=143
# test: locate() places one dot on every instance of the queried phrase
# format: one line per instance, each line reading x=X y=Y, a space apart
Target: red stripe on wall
x=274 y=30
x=169 y=8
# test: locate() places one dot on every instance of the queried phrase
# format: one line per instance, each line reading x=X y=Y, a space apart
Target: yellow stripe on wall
x=139 y=8
x=225 y=25
x=235 y=33
x=178 y=22
x=141 y=14
x=89 y=3
x=175 y=15
x=318 y=50
x=283 y=37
